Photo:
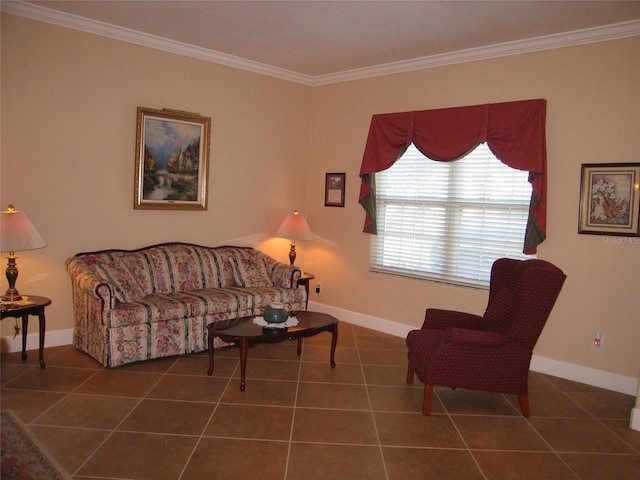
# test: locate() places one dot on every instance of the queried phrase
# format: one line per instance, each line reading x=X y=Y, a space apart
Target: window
x=449 y=221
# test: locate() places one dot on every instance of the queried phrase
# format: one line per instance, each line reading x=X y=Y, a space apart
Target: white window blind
x=449 y=221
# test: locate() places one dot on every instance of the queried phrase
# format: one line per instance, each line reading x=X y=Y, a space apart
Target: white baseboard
x=569 y=371
x=53 y=338
x=635 y=419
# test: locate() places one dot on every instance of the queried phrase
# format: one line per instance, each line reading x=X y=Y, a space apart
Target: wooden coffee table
x=243 y=332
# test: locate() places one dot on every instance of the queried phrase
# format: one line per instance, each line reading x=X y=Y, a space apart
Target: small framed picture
x=609 y=199
x=334 y=189
x=172 y=160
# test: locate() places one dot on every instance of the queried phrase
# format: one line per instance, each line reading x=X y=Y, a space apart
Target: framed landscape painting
x=610 y=199
x=172 y=160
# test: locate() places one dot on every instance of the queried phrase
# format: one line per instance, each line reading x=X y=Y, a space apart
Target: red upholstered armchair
x=490 y=352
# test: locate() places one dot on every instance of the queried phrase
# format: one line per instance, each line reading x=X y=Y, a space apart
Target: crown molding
x=561 y=40
x=567 y=39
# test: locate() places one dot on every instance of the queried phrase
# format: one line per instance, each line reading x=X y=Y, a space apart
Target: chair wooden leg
x=428 y=400
x=410 y=373
x=523 y=399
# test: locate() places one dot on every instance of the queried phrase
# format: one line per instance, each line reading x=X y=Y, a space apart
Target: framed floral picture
x=609 y=199
x=172 y=160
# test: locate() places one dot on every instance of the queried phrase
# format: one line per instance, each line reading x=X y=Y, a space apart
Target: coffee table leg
x=244 y=348
x=334 y=342
x=210 y=347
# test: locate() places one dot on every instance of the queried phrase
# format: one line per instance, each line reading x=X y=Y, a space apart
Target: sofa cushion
x=249 y=271
x=125 y=287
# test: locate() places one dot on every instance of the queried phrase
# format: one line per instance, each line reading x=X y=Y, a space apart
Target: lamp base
x=11 y=296
x=292 y=252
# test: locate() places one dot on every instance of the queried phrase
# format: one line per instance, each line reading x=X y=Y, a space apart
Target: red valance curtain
x=514 y=131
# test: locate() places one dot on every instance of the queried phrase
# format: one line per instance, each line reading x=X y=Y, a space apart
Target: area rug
x=22 y=457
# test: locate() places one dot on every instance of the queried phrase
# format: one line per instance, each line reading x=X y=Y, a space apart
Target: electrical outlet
x=598 y=341
x=318 y=288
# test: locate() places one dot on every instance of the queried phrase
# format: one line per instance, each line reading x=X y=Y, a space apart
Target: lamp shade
x=17 y=233
x=295 y=227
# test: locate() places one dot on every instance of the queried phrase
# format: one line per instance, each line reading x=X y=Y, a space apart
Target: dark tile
x=52 y=379
x=498 y=465
x=385 y=375
x=148 y=456
x=88 y=411
x=251 y=421
x=28 y=404
x=427 y=463
x=416 y=430
x=322 y=354
x=499 y=433
x=232 y=459
x=71 y=447
x=326 y=395
x=603 y=466
x=475 y=402
x=168 y=416
x=551 y=404
x=119 y=383
x=260 y=368
x=334 y=426
x=261 y=392
x=315 y=461
x=189 y=387
x=198 y=365
x=579 y=435
x=379 y=356
x=319 y=372
x=609 y=405
x=400 y=399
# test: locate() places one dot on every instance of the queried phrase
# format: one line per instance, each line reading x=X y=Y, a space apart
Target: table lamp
x=17 y=234
x=294 y=227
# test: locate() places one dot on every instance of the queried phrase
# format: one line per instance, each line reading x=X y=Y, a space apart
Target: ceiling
x=323 y=41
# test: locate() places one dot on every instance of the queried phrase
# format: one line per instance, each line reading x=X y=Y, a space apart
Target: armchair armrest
x=437 y=319
x=475 y=337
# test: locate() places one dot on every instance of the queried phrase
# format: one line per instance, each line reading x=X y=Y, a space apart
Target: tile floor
x=301 y=420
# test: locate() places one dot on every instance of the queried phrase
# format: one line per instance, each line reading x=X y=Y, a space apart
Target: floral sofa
x=132 y=305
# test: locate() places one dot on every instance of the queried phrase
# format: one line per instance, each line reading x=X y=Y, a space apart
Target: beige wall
x=69 y=104
x=593 y=106
x=68 y=137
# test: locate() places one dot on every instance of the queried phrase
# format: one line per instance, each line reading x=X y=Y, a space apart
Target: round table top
x=27 y=302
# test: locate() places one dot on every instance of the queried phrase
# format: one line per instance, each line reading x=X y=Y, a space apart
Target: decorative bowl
x=275 y=313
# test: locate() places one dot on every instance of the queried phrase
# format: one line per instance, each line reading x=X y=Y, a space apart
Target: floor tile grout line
x=295 y=406
x=206 y=425
x=115 y=429
x=371 y=411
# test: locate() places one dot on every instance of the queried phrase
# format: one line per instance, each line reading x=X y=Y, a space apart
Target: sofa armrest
x=84 y=281
x=281 y=274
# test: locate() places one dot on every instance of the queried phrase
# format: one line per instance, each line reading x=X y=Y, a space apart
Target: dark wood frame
x=334 y=189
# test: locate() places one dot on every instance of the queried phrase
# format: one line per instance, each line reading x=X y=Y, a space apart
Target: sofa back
x=172 y=267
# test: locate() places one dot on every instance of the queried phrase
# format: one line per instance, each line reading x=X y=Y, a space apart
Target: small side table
x=304 y=281
x=35 y=306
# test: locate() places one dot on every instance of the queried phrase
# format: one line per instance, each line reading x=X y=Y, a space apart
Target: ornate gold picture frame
x=172 y=160
x=610 y=199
